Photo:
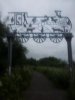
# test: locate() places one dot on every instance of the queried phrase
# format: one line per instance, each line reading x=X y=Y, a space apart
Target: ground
x=42 y=89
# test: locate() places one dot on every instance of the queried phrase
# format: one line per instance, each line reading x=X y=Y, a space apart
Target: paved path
x=42 y=89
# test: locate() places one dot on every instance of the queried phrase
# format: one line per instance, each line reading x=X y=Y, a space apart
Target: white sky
x=39 y=8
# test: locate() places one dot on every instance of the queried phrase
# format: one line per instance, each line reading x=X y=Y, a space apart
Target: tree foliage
x=18 y=54
x=47 y=62
x=52 y=62
x=3 y=48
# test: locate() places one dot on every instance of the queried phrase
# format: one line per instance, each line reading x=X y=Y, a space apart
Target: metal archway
x=39 y=28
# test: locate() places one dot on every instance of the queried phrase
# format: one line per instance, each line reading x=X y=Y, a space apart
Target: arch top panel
x=48 y=26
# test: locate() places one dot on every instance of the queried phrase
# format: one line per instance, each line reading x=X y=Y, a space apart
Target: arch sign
x=39 y=27
x=24 y=27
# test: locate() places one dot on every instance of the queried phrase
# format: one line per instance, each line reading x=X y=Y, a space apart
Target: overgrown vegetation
x=71 y=90
x=12 y=87
x=18 y=54
x=59 y=76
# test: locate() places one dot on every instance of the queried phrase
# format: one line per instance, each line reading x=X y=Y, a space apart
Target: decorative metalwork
x=56 y=38
x=23 y=37
x=39 y=27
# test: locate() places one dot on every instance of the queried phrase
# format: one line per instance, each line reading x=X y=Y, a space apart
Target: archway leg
x=10 y=56
x=10 y=39
x=68 y=38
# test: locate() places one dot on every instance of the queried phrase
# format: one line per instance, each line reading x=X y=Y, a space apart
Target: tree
x=52 y=62
x=18 y=50
x=3 y=48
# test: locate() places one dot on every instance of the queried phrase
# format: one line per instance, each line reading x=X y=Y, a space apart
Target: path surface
x=42 y=89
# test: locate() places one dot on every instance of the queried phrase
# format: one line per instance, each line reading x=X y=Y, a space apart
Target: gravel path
x=42 y=89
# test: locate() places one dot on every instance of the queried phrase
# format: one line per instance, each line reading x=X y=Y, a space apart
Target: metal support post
x=10 y=38
x=68 y=37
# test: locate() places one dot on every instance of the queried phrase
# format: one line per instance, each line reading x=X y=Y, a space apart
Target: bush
x=71 y=90
x=13 y=86
x=71 y=94
x=59 y=76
